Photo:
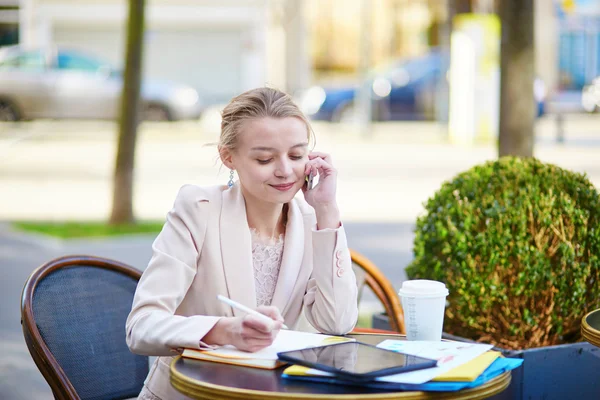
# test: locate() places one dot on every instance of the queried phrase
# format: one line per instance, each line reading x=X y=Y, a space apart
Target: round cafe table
x=590 y=327
x=209 y=380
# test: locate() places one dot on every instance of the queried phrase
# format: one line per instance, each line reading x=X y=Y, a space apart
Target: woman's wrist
x=328 y=216
x=219 y=334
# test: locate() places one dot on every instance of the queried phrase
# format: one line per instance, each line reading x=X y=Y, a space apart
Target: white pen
x=247 y=310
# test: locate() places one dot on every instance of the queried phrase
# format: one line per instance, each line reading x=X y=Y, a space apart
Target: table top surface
x=205 y=379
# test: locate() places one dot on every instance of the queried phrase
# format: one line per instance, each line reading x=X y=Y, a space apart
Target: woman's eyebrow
x=263 y=148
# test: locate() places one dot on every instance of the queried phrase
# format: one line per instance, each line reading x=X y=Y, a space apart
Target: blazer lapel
x=236 y=249
x=293 y=253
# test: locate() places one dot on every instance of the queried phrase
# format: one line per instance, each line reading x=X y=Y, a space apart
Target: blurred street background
x=404 y=94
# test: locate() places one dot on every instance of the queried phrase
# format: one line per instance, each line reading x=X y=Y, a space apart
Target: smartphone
x=309 y=181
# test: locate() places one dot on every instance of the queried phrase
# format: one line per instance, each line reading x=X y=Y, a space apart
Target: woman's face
x=270 y=158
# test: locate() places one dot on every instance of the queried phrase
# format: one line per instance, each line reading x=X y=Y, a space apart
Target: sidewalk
x=58 y=170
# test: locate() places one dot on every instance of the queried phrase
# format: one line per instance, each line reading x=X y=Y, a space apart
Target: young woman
x=252 y=240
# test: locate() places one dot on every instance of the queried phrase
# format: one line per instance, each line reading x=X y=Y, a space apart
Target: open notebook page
x=286 y=340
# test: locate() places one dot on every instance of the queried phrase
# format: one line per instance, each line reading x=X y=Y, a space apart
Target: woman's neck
x=266 y=218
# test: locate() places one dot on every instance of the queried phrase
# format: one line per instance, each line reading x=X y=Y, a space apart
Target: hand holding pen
x=268 y=317
x=252 y=332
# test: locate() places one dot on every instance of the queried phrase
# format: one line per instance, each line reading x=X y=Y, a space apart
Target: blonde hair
x=257 y=103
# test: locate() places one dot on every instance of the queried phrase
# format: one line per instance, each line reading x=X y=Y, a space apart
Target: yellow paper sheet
x=469 y=371
x=297 y=370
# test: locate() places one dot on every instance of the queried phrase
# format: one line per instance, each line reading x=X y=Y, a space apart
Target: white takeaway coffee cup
x=423 y=302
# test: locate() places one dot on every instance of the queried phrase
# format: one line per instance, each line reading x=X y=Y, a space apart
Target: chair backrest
x=367 y=274
x=73 y=312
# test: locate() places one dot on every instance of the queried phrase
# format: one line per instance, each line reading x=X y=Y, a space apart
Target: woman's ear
x=225 y=155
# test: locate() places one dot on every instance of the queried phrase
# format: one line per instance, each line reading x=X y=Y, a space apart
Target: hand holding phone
x=320 y=195
x=309 y=181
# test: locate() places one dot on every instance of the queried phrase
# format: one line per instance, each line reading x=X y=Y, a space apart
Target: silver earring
x=230 y=183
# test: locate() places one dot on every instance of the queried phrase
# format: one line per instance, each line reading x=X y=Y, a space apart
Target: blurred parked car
x=590 y=96
x=405 y=90
x=62 y=83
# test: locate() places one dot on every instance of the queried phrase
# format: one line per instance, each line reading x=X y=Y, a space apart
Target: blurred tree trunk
x=462 y=6
x=517 y=102
x=363 y=101
x=297 y=57
x=396 y=36
x=122 y=210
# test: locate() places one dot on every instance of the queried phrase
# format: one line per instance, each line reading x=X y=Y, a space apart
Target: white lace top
x=266 y=259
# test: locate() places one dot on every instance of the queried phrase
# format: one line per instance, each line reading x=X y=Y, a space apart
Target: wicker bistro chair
x=73 y=313
x=367 y=274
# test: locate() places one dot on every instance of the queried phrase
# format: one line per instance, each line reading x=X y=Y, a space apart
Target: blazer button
x=339 y=262
x=340 y=272
x=338 y=254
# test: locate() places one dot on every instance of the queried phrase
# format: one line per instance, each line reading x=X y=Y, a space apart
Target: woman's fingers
x=262 y=327
x=254 y=342
x=255 y=339
x=271 y=312
x=255 y=347
x=324 y=156
x=319 y=165
x=258 y=324
x=315 y=155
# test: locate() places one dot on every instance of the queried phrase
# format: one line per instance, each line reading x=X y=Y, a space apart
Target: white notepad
x=286 y=340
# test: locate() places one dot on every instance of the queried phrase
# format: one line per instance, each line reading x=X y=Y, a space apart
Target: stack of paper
x=449 y=355
x=460 y=366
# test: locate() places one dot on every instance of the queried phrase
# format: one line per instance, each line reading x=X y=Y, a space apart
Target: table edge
x=585 y=323
x=587 y=328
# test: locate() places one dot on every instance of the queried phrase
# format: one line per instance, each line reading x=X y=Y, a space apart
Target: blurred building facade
x=222 y=47
x=399 y=28
x=578 y=42
x=9 y=22
x=567 y=34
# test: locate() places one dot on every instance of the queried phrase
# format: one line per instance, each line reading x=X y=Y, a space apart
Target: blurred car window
x=417 y=68
x=32 y=61
x=403 y=71
x=77 y=62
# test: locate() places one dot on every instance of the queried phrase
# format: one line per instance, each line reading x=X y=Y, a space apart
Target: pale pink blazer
x=204 y=249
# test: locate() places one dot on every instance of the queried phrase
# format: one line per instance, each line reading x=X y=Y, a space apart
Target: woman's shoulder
x=190 y=195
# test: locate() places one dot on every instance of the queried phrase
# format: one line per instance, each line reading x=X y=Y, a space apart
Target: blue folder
x=498 y=367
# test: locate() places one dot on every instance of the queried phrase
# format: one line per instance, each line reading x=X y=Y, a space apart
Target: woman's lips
x=283 y=188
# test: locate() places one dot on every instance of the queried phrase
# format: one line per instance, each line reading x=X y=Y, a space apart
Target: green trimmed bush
x=517 y=242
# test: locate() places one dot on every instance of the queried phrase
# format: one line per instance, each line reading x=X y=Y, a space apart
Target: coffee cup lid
x=423 y=288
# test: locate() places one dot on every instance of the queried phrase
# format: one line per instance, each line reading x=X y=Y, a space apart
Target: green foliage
x=83 y=229
x=517 y=242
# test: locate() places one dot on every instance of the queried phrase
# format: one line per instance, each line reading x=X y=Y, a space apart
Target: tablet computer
x=356 y=360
